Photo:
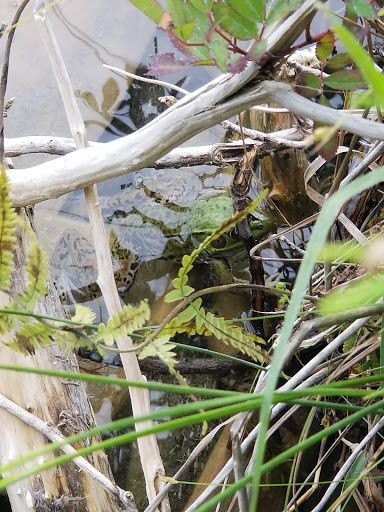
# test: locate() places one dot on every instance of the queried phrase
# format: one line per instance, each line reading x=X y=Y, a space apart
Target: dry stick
x=199 y=110
x=148 y=449
x=296 y=382
x=347 y=464
x=218 y=154
x=55 y=436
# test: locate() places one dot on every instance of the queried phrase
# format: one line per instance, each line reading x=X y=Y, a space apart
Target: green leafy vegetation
x=347 y=318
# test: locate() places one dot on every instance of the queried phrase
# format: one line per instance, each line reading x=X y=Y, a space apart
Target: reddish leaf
x=308 y=85
x=346 y=80
x=179 y=45
x=257 y=50
x=236 y=63
x=325 y=46
x=339 y=61
x=165 y=63
x=329 y=141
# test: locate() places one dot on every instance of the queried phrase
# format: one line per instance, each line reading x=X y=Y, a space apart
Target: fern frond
x=68 y=342
x=84 y=315
x=31 y=336
x=181 y=288
x=189 y=327
x=36 y=269
x=8 y=221
x=233 y=335
x=163 y=350
x=7 y=323
x=122 y=323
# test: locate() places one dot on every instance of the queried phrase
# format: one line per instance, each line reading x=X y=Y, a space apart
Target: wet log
x=60 y=404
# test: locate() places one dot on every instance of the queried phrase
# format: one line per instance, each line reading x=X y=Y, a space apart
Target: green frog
x=136 y=237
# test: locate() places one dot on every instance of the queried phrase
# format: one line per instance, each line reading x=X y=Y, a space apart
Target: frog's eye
x=260 y=225
x=219 y=243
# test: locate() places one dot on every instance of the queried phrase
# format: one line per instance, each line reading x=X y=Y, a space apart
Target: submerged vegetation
x=321 y=367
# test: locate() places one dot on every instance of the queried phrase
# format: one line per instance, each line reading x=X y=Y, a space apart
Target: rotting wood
x=57 y=403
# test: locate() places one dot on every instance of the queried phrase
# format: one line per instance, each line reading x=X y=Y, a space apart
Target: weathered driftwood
x=58 y=403
x=200 y=110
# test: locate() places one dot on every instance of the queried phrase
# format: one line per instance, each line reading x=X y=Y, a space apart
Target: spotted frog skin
x=136 y=237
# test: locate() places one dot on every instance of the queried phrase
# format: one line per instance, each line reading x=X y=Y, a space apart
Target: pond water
x=111 y=107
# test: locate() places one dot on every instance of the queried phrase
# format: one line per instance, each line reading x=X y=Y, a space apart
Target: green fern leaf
x=173 y=296
x=349 y=343
x=84 y=315
x=69 y=342
x=161 y=348
x=30 y=336
x=8 y=221
x=190 y=312
x=122 y=323
x=36 y=269
x=233 y=335
x=7 y=323
x=190 y=328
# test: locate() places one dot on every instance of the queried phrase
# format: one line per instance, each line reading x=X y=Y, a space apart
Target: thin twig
x=4 y=74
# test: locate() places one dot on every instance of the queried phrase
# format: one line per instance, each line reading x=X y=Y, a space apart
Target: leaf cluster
x=207 y=31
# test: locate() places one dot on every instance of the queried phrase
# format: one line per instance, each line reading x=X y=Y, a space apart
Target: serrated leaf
x=339 y=61
x=165 y=63
x=36 y=269
x=325 y=46
x=308 y=85
x=233 y=23
x=162 y=349
x=219 y=48
x=280 y=9
x=7 y=323
x=149 y=7
x=83 y=315
x=349 y=343
x=233 y=335
x=362 y=8
x=8 y=221
x=249 y=8
x=30 y=336
x=236 y=63
x=346 y=80
x=122 y=323
x=110 y=94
